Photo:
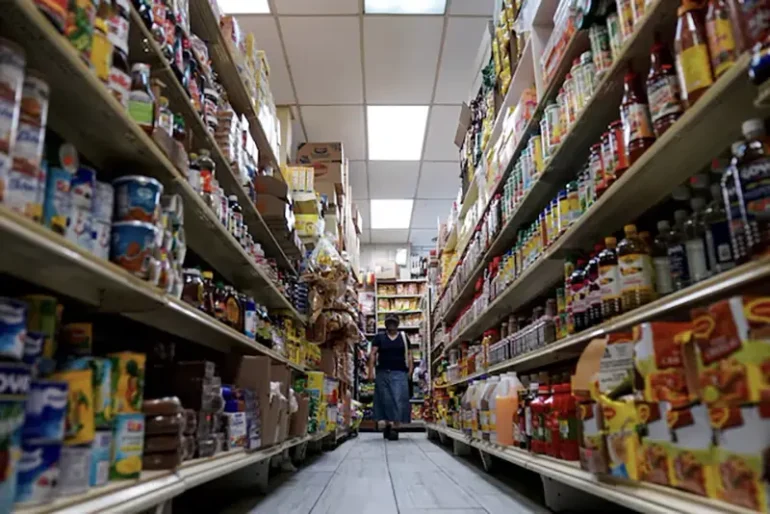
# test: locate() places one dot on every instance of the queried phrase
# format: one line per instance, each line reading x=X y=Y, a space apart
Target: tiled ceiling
x=329 y=61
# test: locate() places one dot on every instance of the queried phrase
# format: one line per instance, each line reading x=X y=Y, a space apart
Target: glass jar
x=192 y=290
x=141 y=101
x=597 y=169
x=600 y=49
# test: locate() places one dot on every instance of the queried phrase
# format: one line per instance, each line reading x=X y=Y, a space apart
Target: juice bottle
x=721 y=38
x=476 y=409
x=577 y=284
x=750 y=182
x=609 y=280
x=635 y=115
x=465 y=410
x=506 y=405
x=677 y=252
x=660 y=263
x=692 y=55
x=593 y=286
x=734 y=204
x=539 y=419
x=486 y=406
x=663 y=89
x=635 y=268
x=566 y=407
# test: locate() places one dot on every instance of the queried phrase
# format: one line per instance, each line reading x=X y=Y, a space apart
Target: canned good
x=137 y=198
x=132 y=245
x=42 y=317
x=100 y=458
x=14 y=387
x=38 y=472
x=45 y=411
x=74 y=470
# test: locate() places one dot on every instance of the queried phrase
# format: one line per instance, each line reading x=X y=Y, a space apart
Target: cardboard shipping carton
x=253 y=372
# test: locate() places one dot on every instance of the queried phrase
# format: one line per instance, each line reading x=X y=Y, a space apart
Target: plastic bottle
x=593 y=286
x=635 y=114
x=235 y=221
x=677 y=252
x=692 y=55
x=539 y=417
x=734 y=205
x=721 y=38
x=531 y=396
x=465 y=410
x=577 y=284
x=609 y=280
x=635 y=266
x=476 y=408
x=504 y=414
x=551 y=433
x=488 y=402
x=718 y=244
x=695 y=242
x=250 y=318
x=663 y=89
x=660 y=262
x=750 y=182
x=566 y=406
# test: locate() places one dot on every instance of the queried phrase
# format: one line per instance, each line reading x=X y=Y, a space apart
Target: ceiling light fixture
x=391 y=214
x=244 y=6
x=404 y=6
x=396 y=132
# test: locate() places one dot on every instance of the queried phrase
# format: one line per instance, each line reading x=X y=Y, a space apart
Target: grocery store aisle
x=368 y=475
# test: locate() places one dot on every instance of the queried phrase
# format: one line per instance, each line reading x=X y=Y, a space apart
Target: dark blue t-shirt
x=391 y=354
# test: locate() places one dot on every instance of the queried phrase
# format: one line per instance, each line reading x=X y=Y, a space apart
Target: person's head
x=391 y=323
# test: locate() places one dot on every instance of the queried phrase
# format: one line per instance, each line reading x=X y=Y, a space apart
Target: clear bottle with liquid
x=718 y=244
x=663 y=282
x=750 y=181
x=609 y=279
x=734 y=204
x=593 y=288
x=677 y=252
x=695 y=241
x=635 y=265
x=577 y=284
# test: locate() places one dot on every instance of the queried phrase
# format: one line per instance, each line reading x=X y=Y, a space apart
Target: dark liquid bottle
x=751 y=188
x=636 y=284
x=609 y=279
x=733 y=204
x=718 y=233
x=577 y=283
x=594 y=288
x=663 y=89
x=635 y=114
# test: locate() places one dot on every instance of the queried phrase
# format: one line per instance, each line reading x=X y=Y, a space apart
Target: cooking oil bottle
x=635 y=266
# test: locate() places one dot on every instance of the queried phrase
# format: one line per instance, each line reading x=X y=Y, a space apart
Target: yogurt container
x=127 y=448
x=13 y=327
x=104 y=198
x=38 y=472
x=14 y=386
x=137 y=198
x=132 y=245
x=100 y=458
x=45 y=410
x=57 y=202
x=74 y=470
x=82 y=188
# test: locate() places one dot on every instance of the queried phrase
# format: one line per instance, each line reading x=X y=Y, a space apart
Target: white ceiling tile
x=390 y=236
x=472 y=7
x=400 y=56
x=366 y=237
x=316 y=6
x=343 y=123
x=297 y=134
x=442 y=127
x=324 y=55
x=359 y=180
x=265 y=33
x=365 y=208
x=440 y=180
x=427 y=213
x=393 y=179
x=461 y=47
x=423 y=237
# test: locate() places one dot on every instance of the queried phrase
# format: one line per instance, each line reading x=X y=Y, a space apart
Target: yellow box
x=127 y=381
x=315 y=380
x=80 y=427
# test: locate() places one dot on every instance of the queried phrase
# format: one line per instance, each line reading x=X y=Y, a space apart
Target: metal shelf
x=40 y=256
x=156 y=487
x=639 y=496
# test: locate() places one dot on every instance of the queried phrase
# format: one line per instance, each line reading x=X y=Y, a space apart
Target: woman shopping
x=390 y=352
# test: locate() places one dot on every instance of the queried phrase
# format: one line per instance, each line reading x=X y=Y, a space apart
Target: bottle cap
x=629 y=229
x=753 y=126
x=610 y=241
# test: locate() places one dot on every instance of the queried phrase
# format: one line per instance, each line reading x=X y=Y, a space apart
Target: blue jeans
x=391 y=396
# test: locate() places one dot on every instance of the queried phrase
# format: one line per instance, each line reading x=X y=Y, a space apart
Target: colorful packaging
x=104 y=198
x=57 y=203
x=127 y=448
x=101 y=374
x=13 y=327
x=236 y=429
x=45 y=411
x=74 y=470
x=693 y=459
x=127 y=381
x=82 y=188
x=33 y=350
x=661 y=361
x=42 y=317
x=623 y=445
x=733 y=358
x=617 y=363
x=102 y=236
x=100 y=458
x=137 y=198
x=38 y=471
x=79 y=427
x=132 y=245
x=80 y=228
x=78 y=338
x=656 y=439
x=14 y=387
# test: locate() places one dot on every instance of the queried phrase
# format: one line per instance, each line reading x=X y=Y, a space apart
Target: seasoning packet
x=622 y=439
x=733 y=342
x=656 y=442
x=692 y=454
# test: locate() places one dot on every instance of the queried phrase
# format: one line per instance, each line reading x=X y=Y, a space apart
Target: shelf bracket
x=486 y=460
x=460 y=449
x=262 y=469
x=560 y=497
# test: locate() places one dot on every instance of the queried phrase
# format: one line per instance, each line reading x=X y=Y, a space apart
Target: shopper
x=390 y=352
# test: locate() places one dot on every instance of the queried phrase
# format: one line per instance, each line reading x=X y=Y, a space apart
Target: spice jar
x=618 y=145
x=635 y=114
x=662 y=90
x=692 y=56
x=721 y=38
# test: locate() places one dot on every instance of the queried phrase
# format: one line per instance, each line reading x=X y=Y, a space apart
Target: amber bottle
x=693 y=62
x=609 y=279
x=635 y=114
x=635 y=267
x=663 y=89
x=721 y=37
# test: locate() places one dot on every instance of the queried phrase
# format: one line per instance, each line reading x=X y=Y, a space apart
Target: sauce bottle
x=207 y=172
x=593 y=285
x=551 y=433
x=141 y=101
x=609 y=279
x=529 y=432
x=220 y=302
x=537 y=406
x=233 y=309
x=618 y=145
x=721 y=39
x=662 y=89
x=577 y=283
x=235 y=222
x=660 y=262
x=718 y=243
x=636 y=285
x=209 y=290
x=692 y=55
x=677 y=252
x=695 y=241
x=597 y=170
x=635 y=115
x=733 y=204
x=750 y=182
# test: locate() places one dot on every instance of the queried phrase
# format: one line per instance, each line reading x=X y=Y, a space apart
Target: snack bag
x=623 y=445
x=656 y=439
x=661 y=361
x=743 y=441
x=733 y=342
x=692 y=455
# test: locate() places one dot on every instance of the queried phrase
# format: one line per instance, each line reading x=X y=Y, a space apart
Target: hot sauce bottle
x=635 y=114
x=609 y=279
x=692 y=55
x=663 y=89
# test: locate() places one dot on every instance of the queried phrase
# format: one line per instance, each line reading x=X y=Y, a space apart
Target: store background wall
x=374 y=255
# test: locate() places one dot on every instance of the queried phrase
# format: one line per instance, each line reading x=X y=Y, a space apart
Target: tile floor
x=368 y=475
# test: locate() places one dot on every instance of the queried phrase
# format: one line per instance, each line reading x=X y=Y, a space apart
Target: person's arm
x=373 y=358
x=409 y=359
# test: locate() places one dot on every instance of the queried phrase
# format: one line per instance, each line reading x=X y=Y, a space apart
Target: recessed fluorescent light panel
x=243 y=6
x=405 y=6
x=396 y=132
x=391 y=214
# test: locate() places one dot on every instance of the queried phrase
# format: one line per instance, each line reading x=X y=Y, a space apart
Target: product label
x=626 y=13
x=680 y=269
x=118 y=32
x=636 y=123
x=721 y=44
x=718 y=245
x=141 y=110
x=663 y=95
x=609 y=282
x=755 y=182
x=663 y=282
x=120 y=85
x=694 y=68
x=635 y=272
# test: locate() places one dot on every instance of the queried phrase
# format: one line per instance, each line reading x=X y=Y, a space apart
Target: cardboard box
x=327 y=191
x=311 y=153
x=253 y=372
x=331 y=172
x=328 y=361
x=272 y=186
x=274 y=207
x=298 y=422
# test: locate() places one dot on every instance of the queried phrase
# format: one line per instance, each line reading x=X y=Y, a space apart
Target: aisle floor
x=368 y=475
